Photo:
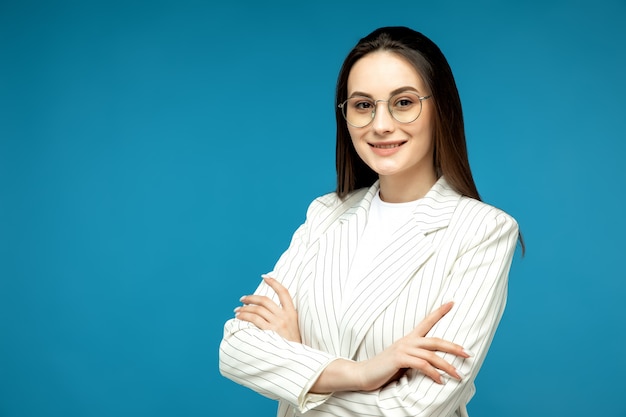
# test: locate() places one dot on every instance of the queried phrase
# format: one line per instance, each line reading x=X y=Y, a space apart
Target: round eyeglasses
x=405 y=107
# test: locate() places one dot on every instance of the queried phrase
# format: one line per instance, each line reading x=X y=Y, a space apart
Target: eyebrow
x=393 y=93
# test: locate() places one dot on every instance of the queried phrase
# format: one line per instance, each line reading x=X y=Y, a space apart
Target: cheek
x=424 y=128
x=358 y=144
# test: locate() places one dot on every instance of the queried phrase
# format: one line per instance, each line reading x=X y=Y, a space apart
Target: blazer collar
x=432 y=212
x=435 y=209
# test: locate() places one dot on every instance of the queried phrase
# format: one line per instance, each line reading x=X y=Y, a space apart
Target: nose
x=383 y=120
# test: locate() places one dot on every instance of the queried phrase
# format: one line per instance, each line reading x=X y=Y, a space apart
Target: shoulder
x=328 y=208
x=477 y=217
x=460 y=212
x=331 y=202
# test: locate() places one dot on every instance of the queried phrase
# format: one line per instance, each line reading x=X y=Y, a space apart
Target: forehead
x=381 y=72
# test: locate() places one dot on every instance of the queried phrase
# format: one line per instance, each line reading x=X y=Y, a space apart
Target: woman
x=388 y=297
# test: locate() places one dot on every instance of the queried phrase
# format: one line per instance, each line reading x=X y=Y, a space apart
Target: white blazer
x=453 y=249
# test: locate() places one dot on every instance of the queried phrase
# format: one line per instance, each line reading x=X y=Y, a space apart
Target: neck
x=402 y=190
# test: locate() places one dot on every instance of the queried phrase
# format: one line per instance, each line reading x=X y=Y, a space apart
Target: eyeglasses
x=404 y=107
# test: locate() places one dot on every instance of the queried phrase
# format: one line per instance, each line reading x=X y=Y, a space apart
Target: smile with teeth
x=386 y=145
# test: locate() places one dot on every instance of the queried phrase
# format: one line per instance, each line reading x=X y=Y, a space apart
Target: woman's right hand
x=413 y=351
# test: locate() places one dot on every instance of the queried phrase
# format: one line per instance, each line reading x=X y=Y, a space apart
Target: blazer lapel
x=394 y=266
x=335 y=252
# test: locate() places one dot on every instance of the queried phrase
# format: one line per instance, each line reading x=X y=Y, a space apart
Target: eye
x=361 y=104
x=403 y=103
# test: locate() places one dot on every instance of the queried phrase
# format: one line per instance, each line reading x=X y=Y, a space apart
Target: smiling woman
x=389 y=295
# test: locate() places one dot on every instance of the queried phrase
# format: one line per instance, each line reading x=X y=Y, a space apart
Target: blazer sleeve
x=477 y=283
x=264 y=361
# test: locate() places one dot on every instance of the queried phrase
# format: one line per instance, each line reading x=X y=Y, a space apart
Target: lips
x=387 y=145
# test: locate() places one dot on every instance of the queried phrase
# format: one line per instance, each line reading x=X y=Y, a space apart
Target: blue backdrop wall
x=155 y=158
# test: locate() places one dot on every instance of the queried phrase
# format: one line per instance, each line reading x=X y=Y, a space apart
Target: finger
x=283 y=294
x=440 y=345
x=251 y=309
x=255 y=319
x=262 y=301
x=437 y=362
x=426 y=368
x=430 y=320
x=433 y=367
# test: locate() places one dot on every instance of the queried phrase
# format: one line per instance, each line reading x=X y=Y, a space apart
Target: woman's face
x=395 y=151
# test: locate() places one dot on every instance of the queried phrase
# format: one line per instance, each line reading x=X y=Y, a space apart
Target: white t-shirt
x=382 y=221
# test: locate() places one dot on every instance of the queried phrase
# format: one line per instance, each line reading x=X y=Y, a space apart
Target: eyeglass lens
x=360 y=111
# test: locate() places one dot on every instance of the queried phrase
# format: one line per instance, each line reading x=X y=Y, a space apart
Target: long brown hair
x=450 y=155
x=448 y=134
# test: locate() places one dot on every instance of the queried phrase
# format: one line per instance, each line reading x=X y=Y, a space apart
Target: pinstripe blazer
x=453 y=249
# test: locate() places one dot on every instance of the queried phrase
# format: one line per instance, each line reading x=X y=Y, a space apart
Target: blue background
x=155 y=158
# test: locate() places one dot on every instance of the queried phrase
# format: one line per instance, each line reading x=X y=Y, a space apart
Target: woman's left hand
x=267 y=315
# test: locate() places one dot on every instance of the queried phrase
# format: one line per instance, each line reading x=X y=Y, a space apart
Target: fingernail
x=468 y=353
x=460 y=374
x=242 y=298
x=237 y=309
x=442 y=375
